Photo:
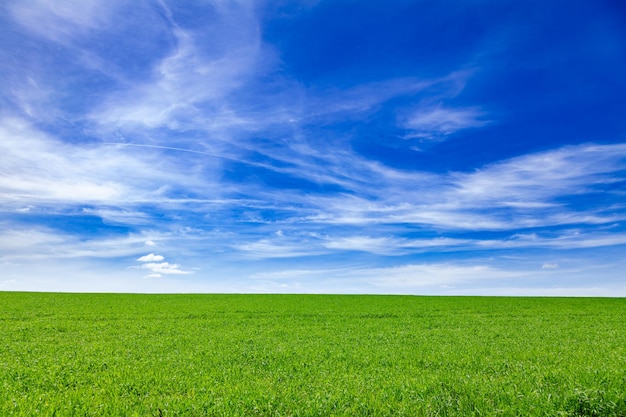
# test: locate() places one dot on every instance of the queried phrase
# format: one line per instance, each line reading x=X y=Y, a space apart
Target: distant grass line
x=310 y=355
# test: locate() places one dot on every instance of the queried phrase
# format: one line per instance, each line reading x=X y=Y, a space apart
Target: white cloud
x=362 y=98
x=45 y=171
x=164 y=268
x=356 y=100
x=430 y=275
x=534 y=178
x=266 y=248
x=15 y=241
x=62 y=20
x=34 y=244
x=523 y=192
x=150 y=258
x=425 y=278
x=380 y=245
x=437 y=122
x=120 y=216
x=201 y=71
x=549 y=266
x=391 y=246
x=157 y=268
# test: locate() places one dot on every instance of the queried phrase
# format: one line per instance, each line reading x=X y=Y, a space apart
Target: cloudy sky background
x=449 y=147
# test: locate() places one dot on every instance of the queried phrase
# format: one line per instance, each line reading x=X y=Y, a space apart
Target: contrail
x=172 y=148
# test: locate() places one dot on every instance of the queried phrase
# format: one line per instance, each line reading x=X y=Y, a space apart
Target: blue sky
x=413 y=147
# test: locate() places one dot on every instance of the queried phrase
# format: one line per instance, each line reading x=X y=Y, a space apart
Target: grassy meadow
x=310 y=355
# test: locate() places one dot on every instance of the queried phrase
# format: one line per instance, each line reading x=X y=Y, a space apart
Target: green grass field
x=310 y=355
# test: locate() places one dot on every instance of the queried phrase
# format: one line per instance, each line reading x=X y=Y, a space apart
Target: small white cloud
x=164 y=268
x=549 y=266
x=151 y=258
x=153 y=276
x=150 y=243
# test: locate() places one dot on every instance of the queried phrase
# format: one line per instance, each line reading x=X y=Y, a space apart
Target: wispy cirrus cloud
x=520 y=193
x=65 y=51
x=433 y=123
x=535 y=178
x=62 y=21
x=279 y=247
x=190 y=88
x=505 y=277
x=187 y=132
x=21 y=242
x=566 y=239
x=389 y=246
x=47 y=171
x=393 y=246
x=528 y=191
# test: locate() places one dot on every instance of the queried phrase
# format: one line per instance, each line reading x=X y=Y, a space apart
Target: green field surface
x=310 y=355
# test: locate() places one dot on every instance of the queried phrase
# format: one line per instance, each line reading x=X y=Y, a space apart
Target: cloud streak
x=439 y=122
